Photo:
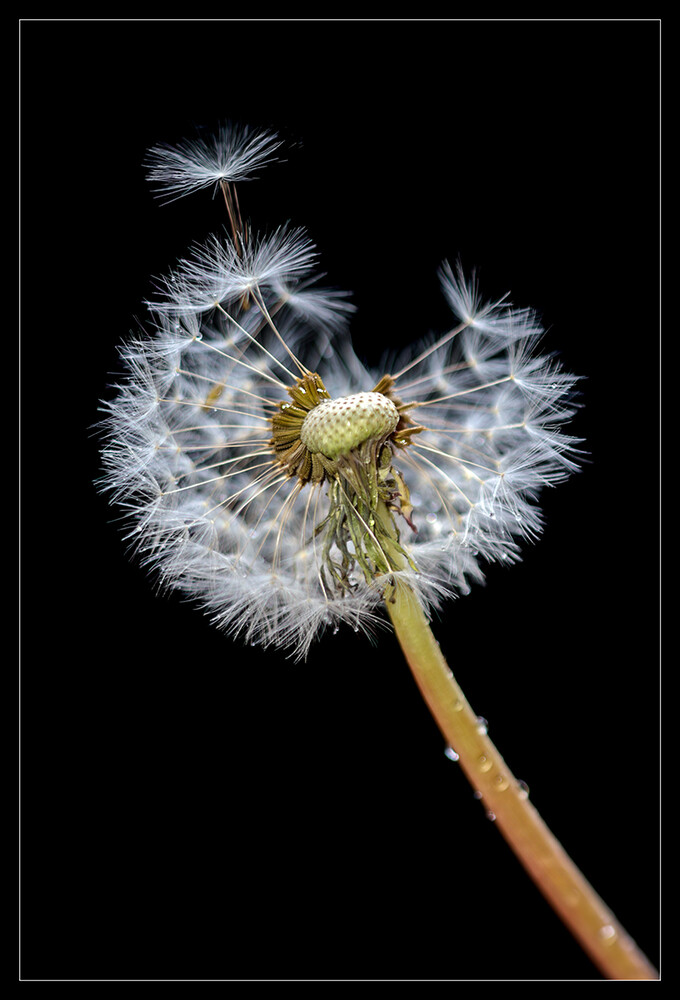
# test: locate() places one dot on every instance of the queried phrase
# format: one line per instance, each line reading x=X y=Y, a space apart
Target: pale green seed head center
x=337 y=426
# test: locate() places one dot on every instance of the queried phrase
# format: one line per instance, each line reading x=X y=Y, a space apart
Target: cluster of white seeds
x=188 y=450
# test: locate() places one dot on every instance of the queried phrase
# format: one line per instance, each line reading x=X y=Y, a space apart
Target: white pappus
x=271 y=476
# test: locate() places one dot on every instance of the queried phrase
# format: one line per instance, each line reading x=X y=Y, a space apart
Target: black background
x=193 y=809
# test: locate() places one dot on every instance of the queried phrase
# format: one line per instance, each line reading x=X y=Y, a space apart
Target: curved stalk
x=596 y=928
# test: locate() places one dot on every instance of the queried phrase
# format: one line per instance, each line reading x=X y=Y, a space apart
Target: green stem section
x=573 y=898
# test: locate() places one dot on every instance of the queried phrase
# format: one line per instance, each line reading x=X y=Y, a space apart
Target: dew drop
x=484 y=763
x=607 y=933
x=523 y=789
x=199 y=336
x=491 y=815
x=482 y=725
x=451 y=754
x=501 y=782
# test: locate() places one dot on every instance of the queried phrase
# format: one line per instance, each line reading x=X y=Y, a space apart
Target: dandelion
x=230 y=154
x=271 y=476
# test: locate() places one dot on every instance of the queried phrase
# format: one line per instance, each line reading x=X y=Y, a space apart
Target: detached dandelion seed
x=288 y=489
x=231 y=153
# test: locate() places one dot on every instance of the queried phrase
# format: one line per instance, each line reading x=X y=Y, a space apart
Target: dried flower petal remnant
x=276 y=479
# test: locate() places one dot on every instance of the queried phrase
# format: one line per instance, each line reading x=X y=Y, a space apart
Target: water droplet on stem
x=485 y=764
x=607 y=933
x=523 y=789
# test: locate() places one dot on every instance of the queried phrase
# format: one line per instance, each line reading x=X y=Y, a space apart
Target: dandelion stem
x=606 y=942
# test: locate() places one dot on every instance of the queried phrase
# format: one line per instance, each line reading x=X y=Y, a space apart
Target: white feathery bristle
x=231 y=154
x=218 y=273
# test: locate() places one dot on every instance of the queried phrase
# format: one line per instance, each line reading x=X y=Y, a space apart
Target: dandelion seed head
x=272 y=476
